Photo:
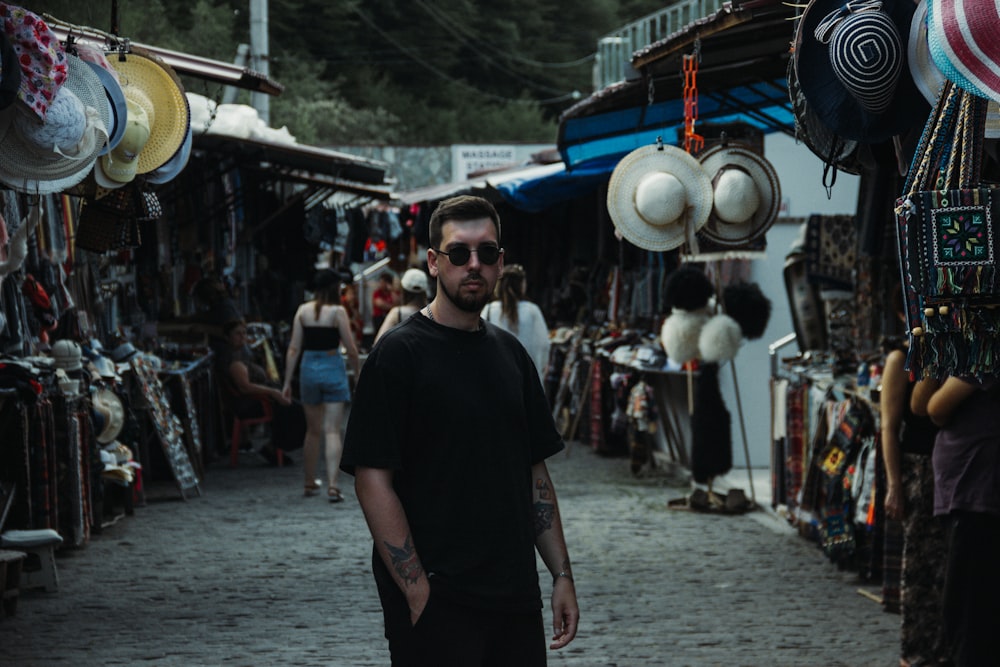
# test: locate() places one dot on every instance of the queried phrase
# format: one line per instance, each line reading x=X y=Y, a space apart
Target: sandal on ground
x=334 y=494
x=312 y=489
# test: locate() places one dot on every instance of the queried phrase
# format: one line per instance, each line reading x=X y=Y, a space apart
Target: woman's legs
x=310 y=446
x=334 y=444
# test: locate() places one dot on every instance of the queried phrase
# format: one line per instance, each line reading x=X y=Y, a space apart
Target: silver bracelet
x=564 y=573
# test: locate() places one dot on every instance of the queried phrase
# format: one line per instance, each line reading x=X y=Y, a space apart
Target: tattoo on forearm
x=545 y=510
x=544 y=515
x=405 y=561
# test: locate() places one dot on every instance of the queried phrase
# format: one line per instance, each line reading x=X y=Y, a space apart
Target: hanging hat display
x=746 y=195
x=658 y=197
x=153 y=85
x=42 y=58
x=67 y=354
x=851 y=64
x=117 y=112
x=10 y=72
x=926 y=75
x=962 y=36
x=174 y=165
x=120 y=165
x=107 y=403
x=833 y=150
x=42 y=157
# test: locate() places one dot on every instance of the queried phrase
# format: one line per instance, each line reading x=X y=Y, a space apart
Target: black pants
x=453 y=635
x=972 y=587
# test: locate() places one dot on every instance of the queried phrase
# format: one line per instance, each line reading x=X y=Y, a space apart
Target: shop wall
x=800 y=173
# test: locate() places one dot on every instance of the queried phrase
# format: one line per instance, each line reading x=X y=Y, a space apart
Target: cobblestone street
x=252 y=573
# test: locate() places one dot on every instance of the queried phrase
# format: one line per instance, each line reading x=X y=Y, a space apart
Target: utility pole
x=259 y=56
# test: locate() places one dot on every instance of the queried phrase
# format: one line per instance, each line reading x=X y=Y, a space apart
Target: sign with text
x=470 y=158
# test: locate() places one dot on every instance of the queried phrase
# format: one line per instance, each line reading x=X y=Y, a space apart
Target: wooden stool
x=10 y=577
x=40 y=546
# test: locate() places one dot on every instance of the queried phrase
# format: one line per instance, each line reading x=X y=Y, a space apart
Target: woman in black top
x=321 y=325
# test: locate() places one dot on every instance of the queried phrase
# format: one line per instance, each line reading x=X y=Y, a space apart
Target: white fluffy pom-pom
x=679 y=334
x=720 y=339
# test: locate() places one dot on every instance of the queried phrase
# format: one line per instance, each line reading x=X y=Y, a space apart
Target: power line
x=459 y=30
x=460 y=82
x=469 y=44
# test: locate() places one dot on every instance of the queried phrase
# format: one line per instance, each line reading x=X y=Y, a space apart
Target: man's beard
x=468 y=303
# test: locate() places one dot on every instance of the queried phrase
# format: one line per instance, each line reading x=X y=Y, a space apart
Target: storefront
x=103 y=384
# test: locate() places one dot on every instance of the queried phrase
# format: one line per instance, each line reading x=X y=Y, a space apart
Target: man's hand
x=565 y=612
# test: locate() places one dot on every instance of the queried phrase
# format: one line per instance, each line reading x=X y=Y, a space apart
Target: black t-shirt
x=460 y=417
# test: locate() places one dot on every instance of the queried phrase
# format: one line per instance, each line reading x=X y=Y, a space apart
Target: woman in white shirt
x=522 y=318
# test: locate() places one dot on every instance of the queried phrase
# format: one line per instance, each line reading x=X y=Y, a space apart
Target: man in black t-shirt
x=447 y=439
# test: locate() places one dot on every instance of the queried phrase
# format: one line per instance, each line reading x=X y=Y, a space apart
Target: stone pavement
x=252 y=573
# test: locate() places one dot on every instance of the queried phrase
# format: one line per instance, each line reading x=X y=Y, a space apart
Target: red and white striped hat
x=962 y=38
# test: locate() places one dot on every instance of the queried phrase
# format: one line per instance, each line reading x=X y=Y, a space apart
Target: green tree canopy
x=392 y=71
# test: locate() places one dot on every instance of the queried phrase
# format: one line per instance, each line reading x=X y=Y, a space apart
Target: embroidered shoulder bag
x=948 y=247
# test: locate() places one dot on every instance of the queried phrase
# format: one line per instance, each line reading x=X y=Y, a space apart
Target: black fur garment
x=711 y=428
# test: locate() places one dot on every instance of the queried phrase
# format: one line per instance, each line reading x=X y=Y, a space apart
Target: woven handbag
x=948 y=249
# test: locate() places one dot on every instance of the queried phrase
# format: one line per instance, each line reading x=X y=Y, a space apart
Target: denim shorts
x=323 y=378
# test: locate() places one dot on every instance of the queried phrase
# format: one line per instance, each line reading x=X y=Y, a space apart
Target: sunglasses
x=460 y=255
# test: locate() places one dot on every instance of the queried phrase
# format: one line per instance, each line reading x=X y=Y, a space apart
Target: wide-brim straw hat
x=117 y=113
x=963 y=41
x=74 y=125
x=110 y=406
x=747 y=195
x=147 y=82
x=842 y=110
x=926 y=75
x=658 y=197
x=175 y=165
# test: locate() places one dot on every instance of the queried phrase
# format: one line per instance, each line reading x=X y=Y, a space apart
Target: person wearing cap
x=320 y=327
x=524 y=319
x=453 y=483
x=414 y=284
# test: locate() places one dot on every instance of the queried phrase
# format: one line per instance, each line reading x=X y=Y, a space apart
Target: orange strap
x=693 y=142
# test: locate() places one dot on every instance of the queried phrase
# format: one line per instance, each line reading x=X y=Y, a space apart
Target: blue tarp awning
x=614 y=134
x=537 y=188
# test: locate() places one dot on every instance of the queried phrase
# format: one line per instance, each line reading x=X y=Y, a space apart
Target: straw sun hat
x=39 y=157
x=746 y=195
x=149 y=84
x=110 y=407
x=658 y=197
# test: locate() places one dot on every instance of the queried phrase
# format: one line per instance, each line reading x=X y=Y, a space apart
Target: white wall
x=800 y=173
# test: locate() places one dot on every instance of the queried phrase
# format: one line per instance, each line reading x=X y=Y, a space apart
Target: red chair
x=239 y=425
x=226 y=400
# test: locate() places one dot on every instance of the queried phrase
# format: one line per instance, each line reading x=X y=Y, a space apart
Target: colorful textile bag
x=948 y=248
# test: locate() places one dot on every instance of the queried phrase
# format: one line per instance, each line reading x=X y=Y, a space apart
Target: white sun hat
x=746 y=194
x=658 y=197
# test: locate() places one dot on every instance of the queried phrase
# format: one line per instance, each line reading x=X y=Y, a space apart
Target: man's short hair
x=460 y=209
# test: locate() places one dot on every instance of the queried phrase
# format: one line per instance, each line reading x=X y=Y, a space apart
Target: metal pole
x=743 y=430
x=259 y=56
x=115 y=17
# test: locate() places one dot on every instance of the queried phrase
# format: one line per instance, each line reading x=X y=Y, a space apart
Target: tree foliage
x=392 y=71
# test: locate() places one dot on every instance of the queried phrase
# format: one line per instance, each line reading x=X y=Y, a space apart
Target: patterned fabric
x=924 y=551
x=831 y=242
x=892 y=565
x=42 y=57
